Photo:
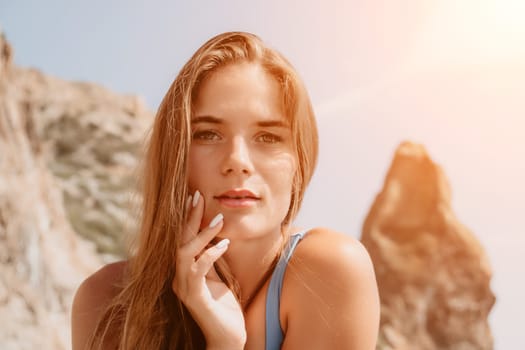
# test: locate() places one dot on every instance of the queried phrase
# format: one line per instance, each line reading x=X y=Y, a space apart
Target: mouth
x=238 y=194
x=237 y=198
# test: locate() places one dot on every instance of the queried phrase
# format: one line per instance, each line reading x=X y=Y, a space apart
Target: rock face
x=433 y=275
x=68 y=152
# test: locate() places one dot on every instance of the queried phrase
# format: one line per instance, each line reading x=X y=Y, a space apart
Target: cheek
x=283 y=175
x=196 y=169
x=282 y=171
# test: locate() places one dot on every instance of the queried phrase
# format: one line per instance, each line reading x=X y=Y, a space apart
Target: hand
x=211 y=303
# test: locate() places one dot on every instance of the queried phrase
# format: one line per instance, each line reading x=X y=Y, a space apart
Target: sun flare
x=475 y=30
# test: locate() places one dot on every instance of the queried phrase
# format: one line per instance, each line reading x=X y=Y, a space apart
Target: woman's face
x=242 y=158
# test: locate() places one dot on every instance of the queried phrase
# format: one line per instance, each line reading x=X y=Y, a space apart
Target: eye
x=206 y=135
x=269 y=138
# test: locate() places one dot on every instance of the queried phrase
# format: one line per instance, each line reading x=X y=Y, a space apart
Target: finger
x=205 y=262
x=212 y=273
x=199 y=243
x=196 y=204
x=188 y=253
x=188 y=203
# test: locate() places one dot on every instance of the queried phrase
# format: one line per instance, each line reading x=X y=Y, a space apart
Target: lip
x=240 y=193
x=237 y=198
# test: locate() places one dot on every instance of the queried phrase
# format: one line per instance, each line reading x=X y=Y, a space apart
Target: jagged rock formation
x=68 y=152
x=433 y=275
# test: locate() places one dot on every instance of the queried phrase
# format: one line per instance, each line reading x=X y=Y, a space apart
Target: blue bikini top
x=274 y=332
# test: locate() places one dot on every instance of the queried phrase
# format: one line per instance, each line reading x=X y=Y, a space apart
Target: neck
x=250 y=259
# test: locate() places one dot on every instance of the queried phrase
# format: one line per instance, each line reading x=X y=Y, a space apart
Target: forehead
x=240 y=90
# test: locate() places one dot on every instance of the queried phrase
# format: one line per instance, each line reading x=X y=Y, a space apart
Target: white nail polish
x=223 y=243
x=196 y=197
x=218 y=218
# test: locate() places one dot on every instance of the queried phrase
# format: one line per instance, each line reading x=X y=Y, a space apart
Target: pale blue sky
x=133 y=47
x=378 y=71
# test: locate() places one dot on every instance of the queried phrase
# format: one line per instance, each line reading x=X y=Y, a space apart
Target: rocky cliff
x=68 y=157
x=68 y=152
x=433 y=275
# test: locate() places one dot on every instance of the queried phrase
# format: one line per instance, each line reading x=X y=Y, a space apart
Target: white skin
x=241 y=141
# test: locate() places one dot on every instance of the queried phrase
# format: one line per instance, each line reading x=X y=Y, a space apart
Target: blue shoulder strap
x=274 y=333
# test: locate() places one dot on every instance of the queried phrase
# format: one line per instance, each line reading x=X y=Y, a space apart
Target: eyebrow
x=215 y=120
x=206 y=119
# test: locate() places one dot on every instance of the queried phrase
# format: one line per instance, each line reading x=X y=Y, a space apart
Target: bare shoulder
x=91 y=299
x=330 y=297
x=99 y=288
x=326 y=258
x=323 y=248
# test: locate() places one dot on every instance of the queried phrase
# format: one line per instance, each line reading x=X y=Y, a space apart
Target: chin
x=244 y=229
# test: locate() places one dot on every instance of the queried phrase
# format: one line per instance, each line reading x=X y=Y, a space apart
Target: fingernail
x=188 y=202
x=196 y=197
x=218 y=218
x=222 y=244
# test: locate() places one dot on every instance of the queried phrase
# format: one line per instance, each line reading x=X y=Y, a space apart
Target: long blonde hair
x=146 y=314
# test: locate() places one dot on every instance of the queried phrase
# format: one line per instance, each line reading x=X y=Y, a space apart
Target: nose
x=237 y=159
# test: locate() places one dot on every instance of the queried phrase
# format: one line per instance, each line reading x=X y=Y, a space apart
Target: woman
x=217 y=264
